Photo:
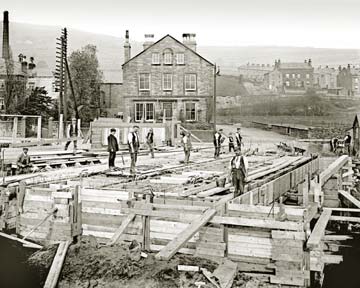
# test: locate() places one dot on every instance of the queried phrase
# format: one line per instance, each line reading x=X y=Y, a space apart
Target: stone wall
x=178 y=95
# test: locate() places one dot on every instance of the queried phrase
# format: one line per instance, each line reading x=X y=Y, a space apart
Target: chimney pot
x=127 y=47
x=189 y=40
x=149 y=40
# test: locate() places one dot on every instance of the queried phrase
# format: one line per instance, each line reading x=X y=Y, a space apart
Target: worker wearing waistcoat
x=238 y=172
x=134 y=144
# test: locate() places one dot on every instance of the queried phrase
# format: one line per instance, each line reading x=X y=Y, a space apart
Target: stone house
x=291 y=76
x=168 y=78
x=348 y=79
x=254 y=72
x=325 y=77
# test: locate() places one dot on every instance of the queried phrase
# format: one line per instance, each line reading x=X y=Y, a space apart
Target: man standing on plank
x=150 y=141
x=113 y=147
x=231 y=142
x=238 y=139
x=186 y=143
x=72 y=131
x=238 y=172
x=217 y=143
x=133 y=143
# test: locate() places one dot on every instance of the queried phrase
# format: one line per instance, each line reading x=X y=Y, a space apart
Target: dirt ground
x=87 y=265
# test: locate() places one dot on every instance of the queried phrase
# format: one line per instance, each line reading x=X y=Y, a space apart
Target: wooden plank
x=333 y=168
x=24 y=242
x=261 y=223
x=183 y=237
x=124 y=224
x=56 y=266
x=288 y=235
x=319 y=230
x=351 y=198
x=225 y=273
x=355 y=210
x=345 y=219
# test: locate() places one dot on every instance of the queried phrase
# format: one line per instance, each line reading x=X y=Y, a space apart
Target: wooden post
x=20 y=202
x=39 y=128
x=15 y=126
x=61 y=127
x=76 y=215
x=78 y=127
x=50 y=127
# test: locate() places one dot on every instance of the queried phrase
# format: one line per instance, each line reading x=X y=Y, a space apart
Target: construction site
x=174 y=224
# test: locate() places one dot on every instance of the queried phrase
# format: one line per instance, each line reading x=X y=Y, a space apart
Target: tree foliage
x=15 y=87
x=38 y=103
x=86 y=77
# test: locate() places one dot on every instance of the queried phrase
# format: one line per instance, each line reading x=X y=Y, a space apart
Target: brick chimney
x=189 y=40
x=127 y=47
x=149 y=40
x=6 y=45
x=309 y=62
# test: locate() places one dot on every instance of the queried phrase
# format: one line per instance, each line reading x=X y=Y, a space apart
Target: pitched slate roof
x=168 y=35
x=294 y=65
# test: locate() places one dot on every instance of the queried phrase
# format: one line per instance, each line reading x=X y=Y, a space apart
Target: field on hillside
x=336 y=113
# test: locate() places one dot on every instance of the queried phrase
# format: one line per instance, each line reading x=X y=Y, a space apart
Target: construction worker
x=347 y=143
x=238 y=172
x=134 y=144
x=231 y=142
x=217 y=143
x=150 y=141
x=186 y=143
x=71 y=131
x=113 y=147
x=238 y=139
x=24 y=162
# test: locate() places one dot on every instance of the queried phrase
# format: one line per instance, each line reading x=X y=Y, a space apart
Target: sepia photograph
x=179 y=144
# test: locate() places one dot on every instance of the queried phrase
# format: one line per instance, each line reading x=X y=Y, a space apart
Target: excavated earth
x=89 y=265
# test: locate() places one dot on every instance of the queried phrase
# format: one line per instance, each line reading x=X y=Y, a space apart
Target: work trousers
x=187 y=156
x=348 y=149
x=217 y=152
x=231 y=147
x=112 y=156
x=151 y=148
x=68 y=143
x=238 y=182
x=133 y=157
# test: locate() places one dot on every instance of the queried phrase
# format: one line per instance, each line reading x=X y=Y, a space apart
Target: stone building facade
x=254 y=72
x=325 y=77
x=168 y=78
x=348 y=79
x=293 y=76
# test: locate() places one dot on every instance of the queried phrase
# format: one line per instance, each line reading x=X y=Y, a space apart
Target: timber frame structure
x=256 y=230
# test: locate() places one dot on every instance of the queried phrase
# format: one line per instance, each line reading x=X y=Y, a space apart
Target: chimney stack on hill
x=127 y=47
x=149 y=40
x=189 y=40
x=6 y=45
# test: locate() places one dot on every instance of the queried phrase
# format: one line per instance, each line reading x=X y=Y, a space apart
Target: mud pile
x=88 y=265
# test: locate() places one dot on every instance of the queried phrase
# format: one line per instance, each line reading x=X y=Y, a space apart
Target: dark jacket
x=218 y=141
x=23 y=160
x=73 y=131
x=238 y=139
x=113 y=145
x=150 y=138
x=231 y=140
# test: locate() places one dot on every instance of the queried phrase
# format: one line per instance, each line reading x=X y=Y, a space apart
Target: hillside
x=39 y=41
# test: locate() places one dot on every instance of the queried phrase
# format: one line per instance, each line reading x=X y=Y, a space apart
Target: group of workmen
x=238 y=164
x=133 y=146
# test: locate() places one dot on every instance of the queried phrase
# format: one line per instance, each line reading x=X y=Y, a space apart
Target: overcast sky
x=315 y=23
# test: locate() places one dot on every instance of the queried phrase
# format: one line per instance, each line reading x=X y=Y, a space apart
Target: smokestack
x=127 y=47
x=5 y=47
x=189 y=40
x=149 y=40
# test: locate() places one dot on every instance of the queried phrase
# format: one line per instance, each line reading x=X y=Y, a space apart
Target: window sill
x=168 y=64
x=144 y=90
x=155 y=64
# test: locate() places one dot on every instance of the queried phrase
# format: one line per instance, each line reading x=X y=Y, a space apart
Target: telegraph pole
x=60 y=73
x=216 y=73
